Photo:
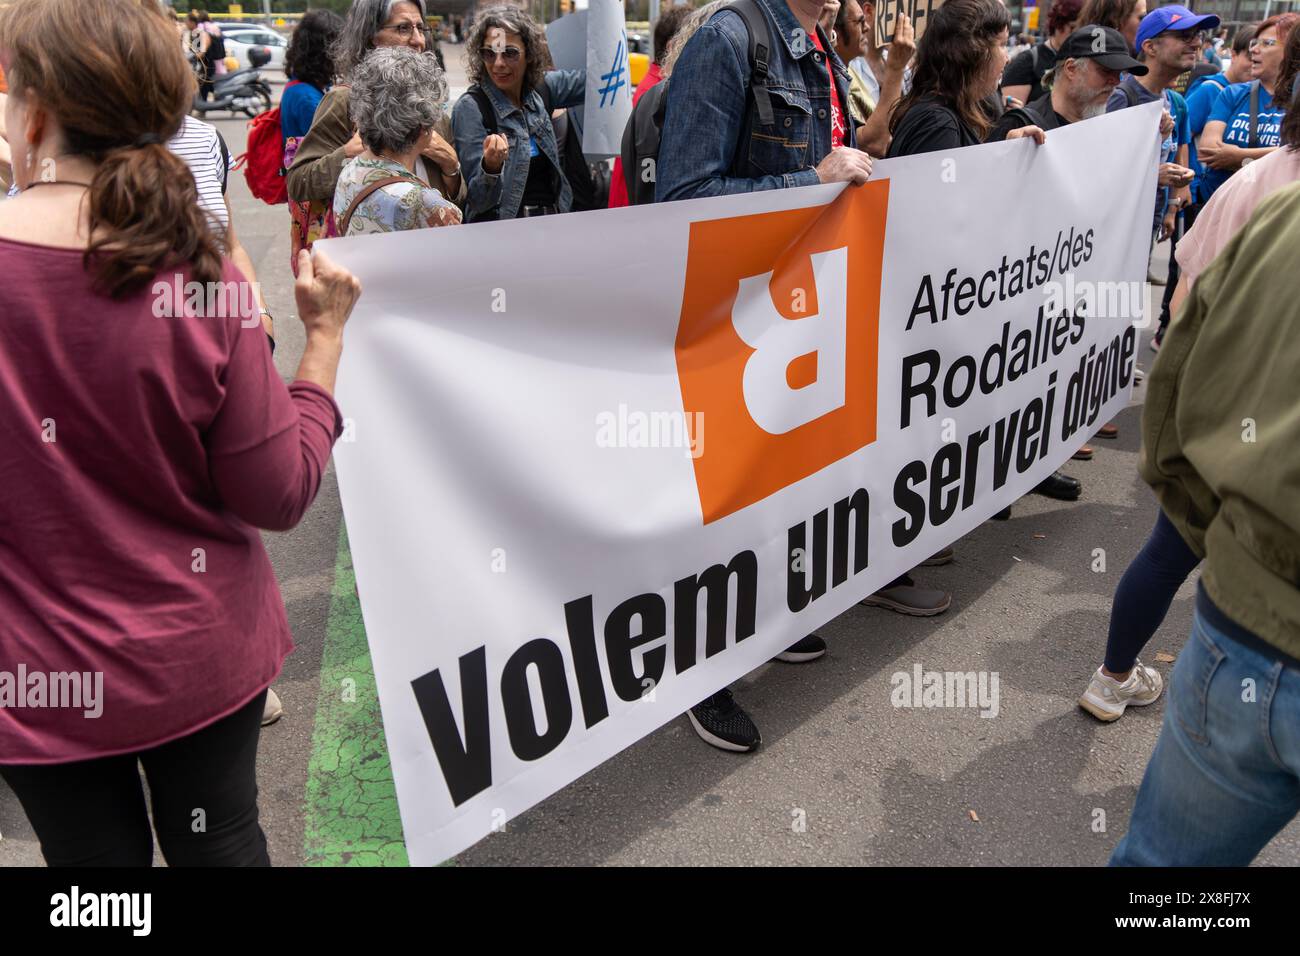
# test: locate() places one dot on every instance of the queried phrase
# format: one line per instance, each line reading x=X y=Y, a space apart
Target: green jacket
x=1221 y=426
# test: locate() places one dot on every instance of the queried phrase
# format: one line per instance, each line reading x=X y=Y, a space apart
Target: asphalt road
x=843 y=776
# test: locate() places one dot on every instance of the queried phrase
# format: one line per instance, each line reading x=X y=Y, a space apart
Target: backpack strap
x=760 y=47
x=641 y=137
x=364 y=194
x=489 y=115
x=660 y=103
x=1129 y=96
x=225 y=159
x=1254 y=115
x=1033 y=58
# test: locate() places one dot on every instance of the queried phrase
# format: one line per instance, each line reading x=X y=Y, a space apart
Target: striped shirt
x=198 y=144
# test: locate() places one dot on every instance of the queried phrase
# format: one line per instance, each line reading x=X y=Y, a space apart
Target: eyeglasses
x=510 y=54
x=406 y=29
x=1271 y=41
x=1187 y=36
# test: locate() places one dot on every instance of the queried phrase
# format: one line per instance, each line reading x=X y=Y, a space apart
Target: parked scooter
x=243 y=91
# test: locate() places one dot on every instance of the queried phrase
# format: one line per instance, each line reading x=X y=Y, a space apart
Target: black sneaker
x=807 y=649
x=720 y=721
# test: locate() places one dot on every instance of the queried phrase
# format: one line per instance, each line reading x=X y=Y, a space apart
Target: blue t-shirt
x=1200 y=100
x=1233 y=107
x=1181 y=135
x=297 y=106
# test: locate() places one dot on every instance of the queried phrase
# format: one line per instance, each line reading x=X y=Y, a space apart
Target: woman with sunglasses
x=503 y=123
x=1238 y=131
x=333 y=139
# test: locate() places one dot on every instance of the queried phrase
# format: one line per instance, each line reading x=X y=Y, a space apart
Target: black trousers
x=203 y=790
x=1171 y=280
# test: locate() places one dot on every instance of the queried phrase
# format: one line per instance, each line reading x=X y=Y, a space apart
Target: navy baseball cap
x=1172 y=17
x=1103 y=44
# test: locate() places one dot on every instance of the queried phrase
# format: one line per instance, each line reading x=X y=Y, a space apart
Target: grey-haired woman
x=398 y=97
x=502 y=124
x=332 y=139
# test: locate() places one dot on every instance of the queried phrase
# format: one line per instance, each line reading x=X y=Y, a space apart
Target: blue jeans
x=1225 y=774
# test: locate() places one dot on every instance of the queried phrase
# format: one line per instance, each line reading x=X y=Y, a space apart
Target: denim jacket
x=506 y=189
x=713 y=143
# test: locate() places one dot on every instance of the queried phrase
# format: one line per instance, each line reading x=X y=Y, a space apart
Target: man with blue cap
x=1168 y=42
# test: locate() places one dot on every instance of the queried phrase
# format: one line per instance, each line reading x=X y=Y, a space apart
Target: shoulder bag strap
x=365 y=192
x=1254 y=114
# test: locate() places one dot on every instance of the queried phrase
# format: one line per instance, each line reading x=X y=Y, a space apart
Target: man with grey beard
x=1088 y=68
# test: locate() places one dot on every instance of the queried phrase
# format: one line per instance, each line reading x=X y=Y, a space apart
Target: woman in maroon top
x=146 y=438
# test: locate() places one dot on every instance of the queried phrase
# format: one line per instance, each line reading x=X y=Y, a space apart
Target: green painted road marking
x=351 y=814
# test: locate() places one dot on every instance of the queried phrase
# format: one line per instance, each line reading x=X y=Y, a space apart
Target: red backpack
x=264 y=160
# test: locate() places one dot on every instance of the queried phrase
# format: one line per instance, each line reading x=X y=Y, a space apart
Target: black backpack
x=645 y=126
x=216 y=47
x=641 y=144
x=589 y=181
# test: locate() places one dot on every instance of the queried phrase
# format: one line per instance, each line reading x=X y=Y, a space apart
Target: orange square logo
x=778 y=342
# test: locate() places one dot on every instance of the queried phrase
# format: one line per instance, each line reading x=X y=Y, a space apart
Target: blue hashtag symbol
x=614 y=78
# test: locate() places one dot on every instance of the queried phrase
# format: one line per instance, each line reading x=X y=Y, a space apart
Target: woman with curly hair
x=310 y=69
x=397 y=97
x=333 y=138
x=503 y=123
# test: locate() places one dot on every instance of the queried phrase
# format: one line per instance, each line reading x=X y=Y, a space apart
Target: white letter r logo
x=777 y=341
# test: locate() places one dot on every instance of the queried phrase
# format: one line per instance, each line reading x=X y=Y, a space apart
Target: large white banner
x=600 y=465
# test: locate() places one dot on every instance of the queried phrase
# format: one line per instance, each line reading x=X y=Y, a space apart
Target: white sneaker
x=1106 y=697
x=272 y=710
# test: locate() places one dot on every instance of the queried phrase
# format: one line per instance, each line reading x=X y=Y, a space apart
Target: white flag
x=609 y=82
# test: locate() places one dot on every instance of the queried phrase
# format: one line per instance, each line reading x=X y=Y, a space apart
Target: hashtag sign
x=614 y=78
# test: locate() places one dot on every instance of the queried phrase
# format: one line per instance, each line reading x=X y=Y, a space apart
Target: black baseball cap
x=1103 y=44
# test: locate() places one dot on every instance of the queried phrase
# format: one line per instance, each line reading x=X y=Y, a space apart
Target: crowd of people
x=180 y=439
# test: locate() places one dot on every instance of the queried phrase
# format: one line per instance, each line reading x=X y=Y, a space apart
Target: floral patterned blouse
x=391 y=208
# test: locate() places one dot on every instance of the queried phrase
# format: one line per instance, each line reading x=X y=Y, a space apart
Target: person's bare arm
x=1180 y=295
x=1210 y=148
x=1217 y=154
x=239 y=256
x=325 y=294
x=6 y=156
x=1183 y=186
x=874 y=137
